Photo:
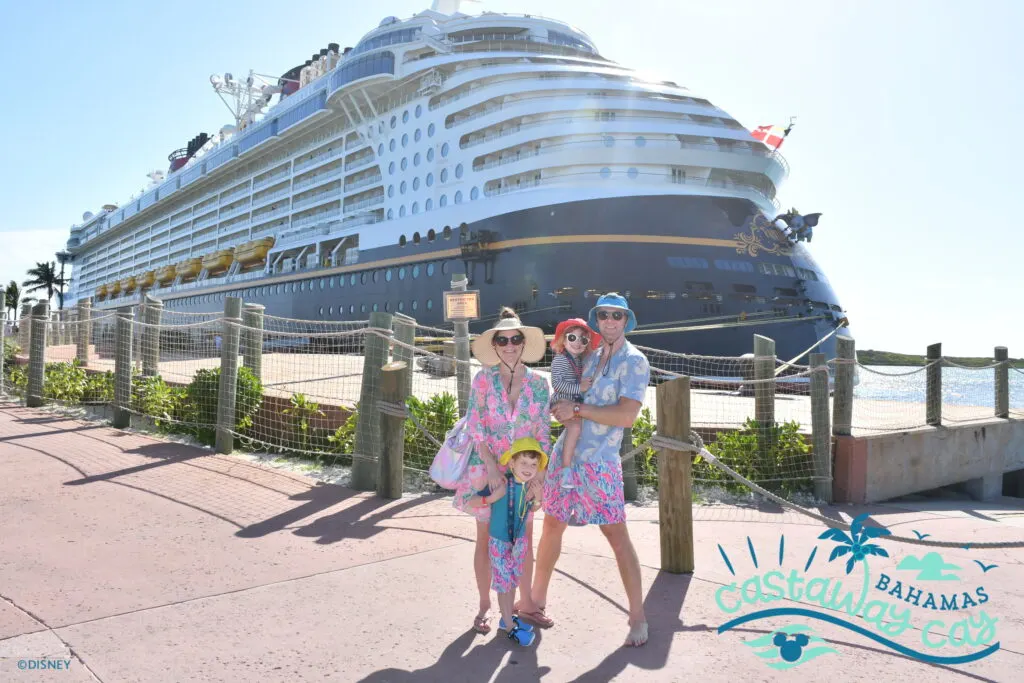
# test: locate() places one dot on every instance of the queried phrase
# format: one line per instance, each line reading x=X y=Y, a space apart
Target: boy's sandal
x=539 y=618
x=521 y=637
x=481 y=626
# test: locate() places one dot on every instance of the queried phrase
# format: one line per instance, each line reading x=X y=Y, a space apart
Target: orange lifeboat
x=254 y=252
x=147 y=279
x=189 y=268
x=101 y=292
x=166 y=275
x=128 y=284
x=114 y=288
x=218 y=261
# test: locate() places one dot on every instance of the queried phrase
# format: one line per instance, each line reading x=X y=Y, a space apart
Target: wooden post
x=151 y=336
x=1002 y=382
x=368 y=446
x=37 y=356
x=25 y=328
x=842 y=398
x=675 y=495
x=394 y=389
x=3 y=341
x=84 y=326
x=459 y=284
x=228 y=388
x=628 y=466
x=123 y=332
x=821 y=430
x=933 y=386
x=404 y=329
x=252 y=346
x=764 y=391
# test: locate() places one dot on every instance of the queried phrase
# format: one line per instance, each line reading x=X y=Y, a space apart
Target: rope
x=811 y=348
x=951 y=364
x=898 y=374
x=400 y=410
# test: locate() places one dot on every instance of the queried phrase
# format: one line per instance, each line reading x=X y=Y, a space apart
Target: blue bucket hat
x=612 y=300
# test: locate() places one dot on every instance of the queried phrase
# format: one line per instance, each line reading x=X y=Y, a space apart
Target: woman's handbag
x=453 y=456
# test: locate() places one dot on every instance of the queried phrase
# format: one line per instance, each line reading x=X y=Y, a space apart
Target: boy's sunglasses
x=573 y=337
x=615 y=315
x=515 y=340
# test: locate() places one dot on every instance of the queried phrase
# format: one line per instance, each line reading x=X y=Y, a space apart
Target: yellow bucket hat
x=527 y=443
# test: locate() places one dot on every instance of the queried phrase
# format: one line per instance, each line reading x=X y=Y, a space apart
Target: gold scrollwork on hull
x=763 y=236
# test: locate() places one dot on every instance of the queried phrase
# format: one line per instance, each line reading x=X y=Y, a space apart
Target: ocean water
x=962 y=387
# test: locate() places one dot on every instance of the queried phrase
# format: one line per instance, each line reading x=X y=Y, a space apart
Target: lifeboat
x=147 y=279
x=218 y=261
x=253 y=252
x=165 y=275
x=129 y=284
x=101 y=292
x=114 y=288
x=189 y=268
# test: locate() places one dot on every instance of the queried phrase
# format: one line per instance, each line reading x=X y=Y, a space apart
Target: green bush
x=152 y=396
x=438 y=414
x=776 y=456
x=17 y=380
x=343 y=441
x=98 y=388
x=11 y=349
x=301 y=411
x=646 y=461
x=202 y=394
x=64 y=382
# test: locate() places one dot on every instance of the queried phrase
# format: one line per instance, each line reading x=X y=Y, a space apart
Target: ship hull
x=685 y=262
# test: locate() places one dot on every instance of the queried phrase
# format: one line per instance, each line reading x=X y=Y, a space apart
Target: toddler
x=571 y=345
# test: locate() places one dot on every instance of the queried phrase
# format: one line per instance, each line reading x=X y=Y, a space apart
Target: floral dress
x=492 y=421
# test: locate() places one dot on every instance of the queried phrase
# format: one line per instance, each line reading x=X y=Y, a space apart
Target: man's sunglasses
x=515 y=340
x=573 y=337
x=615 y=315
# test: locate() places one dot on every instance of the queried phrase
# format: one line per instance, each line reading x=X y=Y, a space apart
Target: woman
x=507 y=401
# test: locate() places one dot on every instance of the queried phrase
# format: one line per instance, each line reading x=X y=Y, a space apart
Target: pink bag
x=453 y=457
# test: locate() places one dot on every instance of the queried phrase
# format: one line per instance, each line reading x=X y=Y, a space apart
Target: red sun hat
x=566 y=325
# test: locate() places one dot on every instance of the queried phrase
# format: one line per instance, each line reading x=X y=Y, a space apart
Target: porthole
x=401 y=273
x=330 y=311
x=447 y=232
x=606 y=172
x=415 y=304
x=419 y=110
x=641 y=141
x=391 y=168
x=376 y=307
x=302 y=286
x=444 y=175
x=323 y=284
x=430 y=131
x=351 y=308
x=391 y=214
x=416 y=238
x=443 y=201
x=405 y=116
x=430 y=154
x=431 y=235
x=474 y=193
x=416 y=159
x=341 y=281
x=401 y=241
x=401 y=211
x=401 y=306
x=405 y=139
x=444 y=150
x=458 y=171
x=380 y=127
x=391 y=190
x=402 y=188
x=332 y=283
x=430 y=179
x=380 y=149
x=428 y=205
x=352 y=280
x=430 y=270
x=430 y=304
x=362 y=278
x=416 y=183
x=405 y=163
x=376 y=275
x=387 y=306
x=415 y=208
x=394 y=121
x=632 y=173
x=444 y=268
x=362 y=308
x=417 y=135
x=415 y=272
x=321 y=311
x=387 y=275
x=392 y=145
x=458 y=197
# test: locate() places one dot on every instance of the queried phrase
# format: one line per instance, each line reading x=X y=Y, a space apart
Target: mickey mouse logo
x=790 y=650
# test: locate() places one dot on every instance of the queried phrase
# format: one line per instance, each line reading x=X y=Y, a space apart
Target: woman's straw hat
x=533 y=346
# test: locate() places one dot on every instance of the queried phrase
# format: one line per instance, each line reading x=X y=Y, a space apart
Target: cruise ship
x=498 y=145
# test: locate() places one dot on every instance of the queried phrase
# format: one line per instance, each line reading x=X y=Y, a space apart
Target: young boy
x=510 y=505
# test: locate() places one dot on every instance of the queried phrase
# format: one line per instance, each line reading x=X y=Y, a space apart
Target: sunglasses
x=515 y=340
x=573 y=337
x=615 y=315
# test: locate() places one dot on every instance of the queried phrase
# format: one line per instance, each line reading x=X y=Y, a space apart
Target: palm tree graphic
x=856 y=542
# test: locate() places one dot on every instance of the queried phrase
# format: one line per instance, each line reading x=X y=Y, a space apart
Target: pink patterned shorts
x=506 y=563
x=598 y=497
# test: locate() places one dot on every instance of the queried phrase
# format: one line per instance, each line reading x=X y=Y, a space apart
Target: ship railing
x=206 y=222
x=372 y=201
x=316 y=198
x=318 y=179
x=258 y=202
x=270 y=179
x=181 y=220
x=369 y=180
x=358 y=142
x=271 y=215
x=534 y=44
x=495 y=136
x=315 y=218
x=365 y=219
x=299 y=235
x=232 y=196
x=475 y=115
x=234 y=227
x=360 y=162
x=237 y=211
x=321 y=158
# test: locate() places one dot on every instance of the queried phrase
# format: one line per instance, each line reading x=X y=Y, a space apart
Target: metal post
x=37 y=356
x=675 y=494
x=821 y=430
x=123 y=333
x=1002 y=382
x=226 y=394
x=252 y=347
x=764 y=391
x=459 y=284
x=842 y=398
x=84 y=332
x=404 y=329
x=933 y=386
x=367 y=447
x=151 y=336
x=394 y=390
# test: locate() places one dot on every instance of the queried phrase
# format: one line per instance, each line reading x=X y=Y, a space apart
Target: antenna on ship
x=248 y=97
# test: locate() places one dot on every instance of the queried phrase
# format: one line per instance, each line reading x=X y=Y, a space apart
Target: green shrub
x=17 y=380
x=11 y=349
x=202 y=394
x=98 y=388
x=64 y=382
x=646 y=461
x=438 y=414
x=776 y=456
x=343 y=441
x=152 y=396
x=301 y=411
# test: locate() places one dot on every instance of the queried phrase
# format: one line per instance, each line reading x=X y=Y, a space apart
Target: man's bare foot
x=637 y=634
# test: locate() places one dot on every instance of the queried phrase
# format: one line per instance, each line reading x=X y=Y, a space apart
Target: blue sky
x=905 y=132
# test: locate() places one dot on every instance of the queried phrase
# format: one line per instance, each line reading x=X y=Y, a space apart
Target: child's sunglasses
x=615 y=315
x=573 y=337
x=515 y=340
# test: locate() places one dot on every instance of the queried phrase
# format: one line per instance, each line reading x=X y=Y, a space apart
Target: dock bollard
x=675 y=492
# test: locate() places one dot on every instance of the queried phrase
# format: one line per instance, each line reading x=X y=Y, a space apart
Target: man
x=620 y=375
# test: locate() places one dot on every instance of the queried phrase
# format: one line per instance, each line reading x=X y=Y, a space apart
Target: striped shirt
x=566 y=373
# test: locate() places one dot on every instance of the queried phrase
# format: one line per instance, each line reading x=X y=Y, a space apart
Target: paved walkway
x=140 y=560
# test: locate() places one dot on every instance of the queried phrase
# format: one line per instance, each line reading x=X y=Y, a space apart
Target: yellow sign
x=462 y=305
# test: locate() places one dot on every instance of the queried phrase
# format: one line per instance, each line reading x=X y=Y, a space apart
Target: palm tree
x=44 y=276
x=12 y=297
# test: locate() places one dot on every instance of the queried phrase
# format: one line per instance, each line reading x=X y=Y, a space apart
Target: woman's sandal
x=538 y=618
x=480 y=624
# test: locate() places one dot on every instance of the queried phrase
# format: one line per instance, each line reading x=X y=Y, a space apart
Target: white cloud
x=22 y=249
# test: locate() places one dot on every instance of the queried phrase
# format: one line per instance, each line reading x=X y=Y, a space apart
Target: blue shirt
x=499 y=510
x=627 y=375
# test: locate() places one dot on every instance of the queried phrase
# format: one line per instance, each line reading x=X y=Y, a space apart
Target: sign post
x=460 y=306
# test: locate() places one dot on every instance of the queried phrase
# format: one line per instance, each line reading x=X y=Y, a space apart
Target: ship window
x=474 y=193
x=737 y=266
x=391 y=190
x=805 y=274
x=447 y=232
x=443 y=201
x=402 y=188
x=405 y=163
x=415 y=272
x=444 y=175
x=302 y=286
x=351 y=308
x=458 y=197
x=380 y=149
x=362 y=308
x=391 y=145
x=784 y=291
x=330 y=311
x=391 y=168
x=458 y=171
x=606 y=172
x=430 y=270
x=394 y=121
x=632 y=173
x=387 y=306
x=352 y=280
x=387 y=275
x=430 y=304
x=405 y=116
x=428 y=205
x=401 y=306
x=405 y=139
x=416 y=183
x=641 y=141
x=362 y=278
x=419 y=110
x=380 y=127
x=430 y=179
x=341 y=281
x=321 y=311
x=401 y=273
x=745 y=289
x=391 y=214
x=699 y=286
x=430 y=131
x=609 y=141
x=401 y=211
x=685 y=262
x=444 y=268
x=416 y=159
x=415 y=304
x=376 y=275
x=416 y=237
x=332 y=283
x=415 y=208
x=444 y=150
x=376 y=307
x=417 y=135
